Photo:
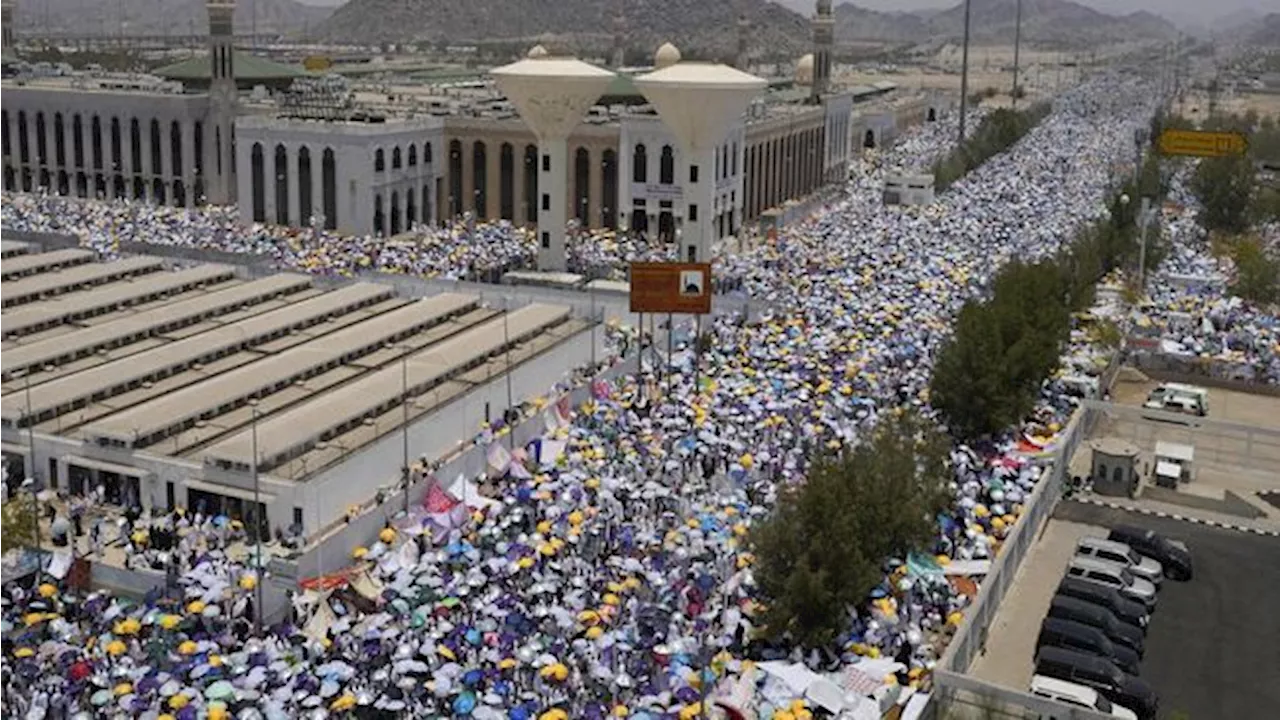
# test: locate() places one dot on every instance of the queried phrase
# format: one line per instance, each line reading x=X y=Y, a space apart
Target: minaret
x=619 y=37
x=740 y=61
x=221 y=184
x=824 y=30
x=6 y=25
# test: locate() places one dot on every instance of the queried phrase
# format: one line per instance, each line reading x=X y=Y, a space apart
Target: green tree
x=971 y=384
x=820 y=551
x=18 y=518
x=1225 y=188
x=1257 y=274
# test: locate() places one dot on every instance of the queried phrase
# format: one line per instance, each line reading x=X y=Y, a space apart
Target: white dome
x=804 y=70
x=538 y=51
x=666 y=56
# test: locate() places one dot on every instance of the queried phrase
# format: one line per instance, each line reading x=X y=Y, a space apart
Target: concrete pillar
x=553 y=169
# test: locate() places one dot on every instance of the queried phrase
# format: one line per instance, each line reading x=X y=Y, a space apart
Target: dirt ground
x=1226 y=405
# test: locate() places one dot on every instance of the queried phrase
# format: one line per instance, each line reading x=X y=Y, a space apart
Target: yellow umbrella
x=48 y=590
x=195 y=607
x=188 y=647
x=359 y=552
x=169 y=622
x=387 y=535
x=217 y=711
x=446 y=652
x=24 y=652
x=116 y=648
x=248 y=582
x=123 y=688
x=611 y=599
x=177 y=702
x=344 y=702
x=620 y=711
x=507 y=663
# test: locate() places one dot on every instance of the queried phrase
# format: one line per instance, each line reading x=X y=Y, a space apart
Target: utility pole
x=257 y=521
x=404 y=432
x=1144 y=220
x=1017 y=46
x=964 y=73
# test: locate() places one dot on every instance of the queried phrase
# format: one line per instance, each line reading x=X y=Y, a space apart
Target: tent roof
x=247 y=67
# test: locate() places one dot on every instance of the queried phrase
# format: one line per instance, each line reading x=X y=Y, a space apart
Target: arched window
x=426 y=153
x=531 y=183
x=4 y=128
x=42 y=147
x=639 y=164
x=609 y=196
x=395 y=212
x=480 y=177
x=117 y=149
x=118 y=189
x=413 y=156
x=139 y=189
x=506 y=182
x=175 y=147
x=395 y=159
x=329 y=189
x=77 y=140
x=379 y=160
x=24 y=150
x=82 y=185
x=426 y=205
x=197 y=159
x=179 y=194
x=582 y=186
x=135 y=145
x=95 y=140
x=157 y=162
x=455 y=178
x=158 y=191
x=59 y=142
x=304 y=186
x=410 y=209
x=64 y=183
x=259 y=183
x=282 y=185
x=378 y=219
x=10 y=178
x=667 y=166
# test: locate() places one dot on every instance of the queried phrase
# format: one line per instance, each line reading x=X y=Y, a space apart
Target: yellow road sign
x=1202 y=143
x=317 y=63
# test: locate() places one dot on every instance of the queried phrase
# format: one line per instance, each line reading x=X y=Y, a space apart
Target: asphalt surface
x=1213 y=647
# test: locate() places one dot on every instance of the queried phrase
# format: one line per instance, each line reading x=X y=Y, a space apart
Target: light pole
x=964 y=73
x=257 y=519
x=31 y=426
x=1017 y=47
x=404 y=419
x=506 y=341
x=1144 y=221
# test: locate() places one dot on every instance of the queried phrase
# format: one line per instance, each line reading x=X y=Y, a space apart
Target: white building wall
x=357 y=184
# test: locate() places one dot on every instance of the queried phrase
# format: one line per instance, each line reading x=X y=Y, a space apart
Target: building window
x=546 y=202
x=329 y=189
x=259 y=183
x=640 y=165
x=379 y=160
x=667 y=166
x=413 y=156
x=546 y=240
x=426 y=153
x=691 y=253
x=693 y=173
x=395 y=159
x=546 y=163
x=733 y=159
x=157 y=163
x=282 y=185
x=693 y=212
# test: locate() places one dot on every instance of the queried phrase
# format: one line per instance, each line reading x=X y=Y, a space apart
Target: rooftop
x=247 y=67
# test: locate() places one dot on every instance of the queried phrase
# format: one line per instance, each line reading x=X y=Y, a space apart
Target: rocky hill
x=158 y=17
x=1043 y=21
x=1266 y=31
x=704 y=28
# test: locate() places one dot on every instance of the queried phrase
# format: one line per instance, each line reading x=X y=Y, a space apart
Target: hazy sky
x=1179 y=11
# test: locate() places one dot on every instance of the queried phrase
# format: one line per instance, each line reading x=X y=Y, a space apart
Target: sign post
x=1202 y=143
x=674 y=289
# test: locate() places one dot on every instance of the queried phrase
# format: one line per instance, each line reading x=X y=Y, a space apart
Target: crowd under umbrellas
x=606 y=573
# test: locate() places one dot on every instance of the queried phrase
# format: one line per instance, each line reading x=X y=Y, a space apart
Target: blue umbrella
x=464 y=703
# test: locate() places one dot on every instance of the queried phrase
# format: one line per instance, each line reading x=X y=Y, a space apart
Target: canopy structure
x=698 y=102
x=552 y=94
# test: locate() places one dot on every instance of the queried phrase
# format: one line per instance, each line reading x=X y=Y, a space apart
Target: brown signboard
x=675 y=288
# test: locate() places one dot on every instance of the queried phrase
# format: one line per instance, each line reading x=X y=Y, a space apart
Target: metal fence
x=960 y=697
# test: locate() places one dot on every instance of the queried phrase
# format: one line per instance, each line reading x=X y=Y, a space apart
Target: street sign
x=676 y=288
x=1202 y=143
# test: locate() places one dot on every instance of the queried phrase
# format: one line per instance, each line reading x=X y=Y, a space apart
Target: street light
x=257 y=518
x=404 y=406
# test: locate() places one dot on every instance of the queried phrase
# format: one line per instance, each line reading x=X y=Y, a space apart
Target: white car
x=1072 y=694
x=1117 y=552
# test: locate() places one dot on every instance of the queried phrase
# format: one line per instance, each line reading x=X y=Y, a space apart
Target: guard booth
x=908 y=189
x=1114 y=470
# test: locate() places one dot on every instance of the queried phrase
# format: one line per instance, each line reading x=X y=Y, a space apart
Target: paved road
x=1213 y=648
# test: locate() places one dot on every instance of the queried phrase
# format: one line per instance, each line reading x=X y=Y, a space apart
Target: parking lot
x=1211 y=649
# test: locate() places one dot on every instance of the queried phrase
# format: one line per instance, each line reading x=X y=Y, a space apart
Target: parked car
x=1172 y=554
x=1115 y=576
x=1079 y=695
x=1121 y=554
x=1102 y=675
x=1125 y=610
x=1072 y=635
x=1065 y=608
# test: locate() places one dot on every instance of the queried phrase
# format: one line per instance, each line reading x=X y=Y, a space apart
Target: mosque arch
x=582 y=186
x=304 y=186
x=506 y=181
x=480 y=178
x=258 y=182
x=175 y=147
x=531 y=183
x=395 y=212
x=609 y=191
x=639 y=164
x=667 y=166
x=282 y=184
x=157 y=162
x=329 y=189
x=59 y=141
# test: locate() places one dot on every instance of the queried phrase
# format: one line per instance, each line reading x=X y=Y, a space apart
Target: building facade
x=352 y=176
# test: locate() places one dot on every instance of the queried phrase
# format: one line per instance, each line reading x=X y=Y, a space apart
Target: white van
x=1179 y=397
x=1072 y=694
